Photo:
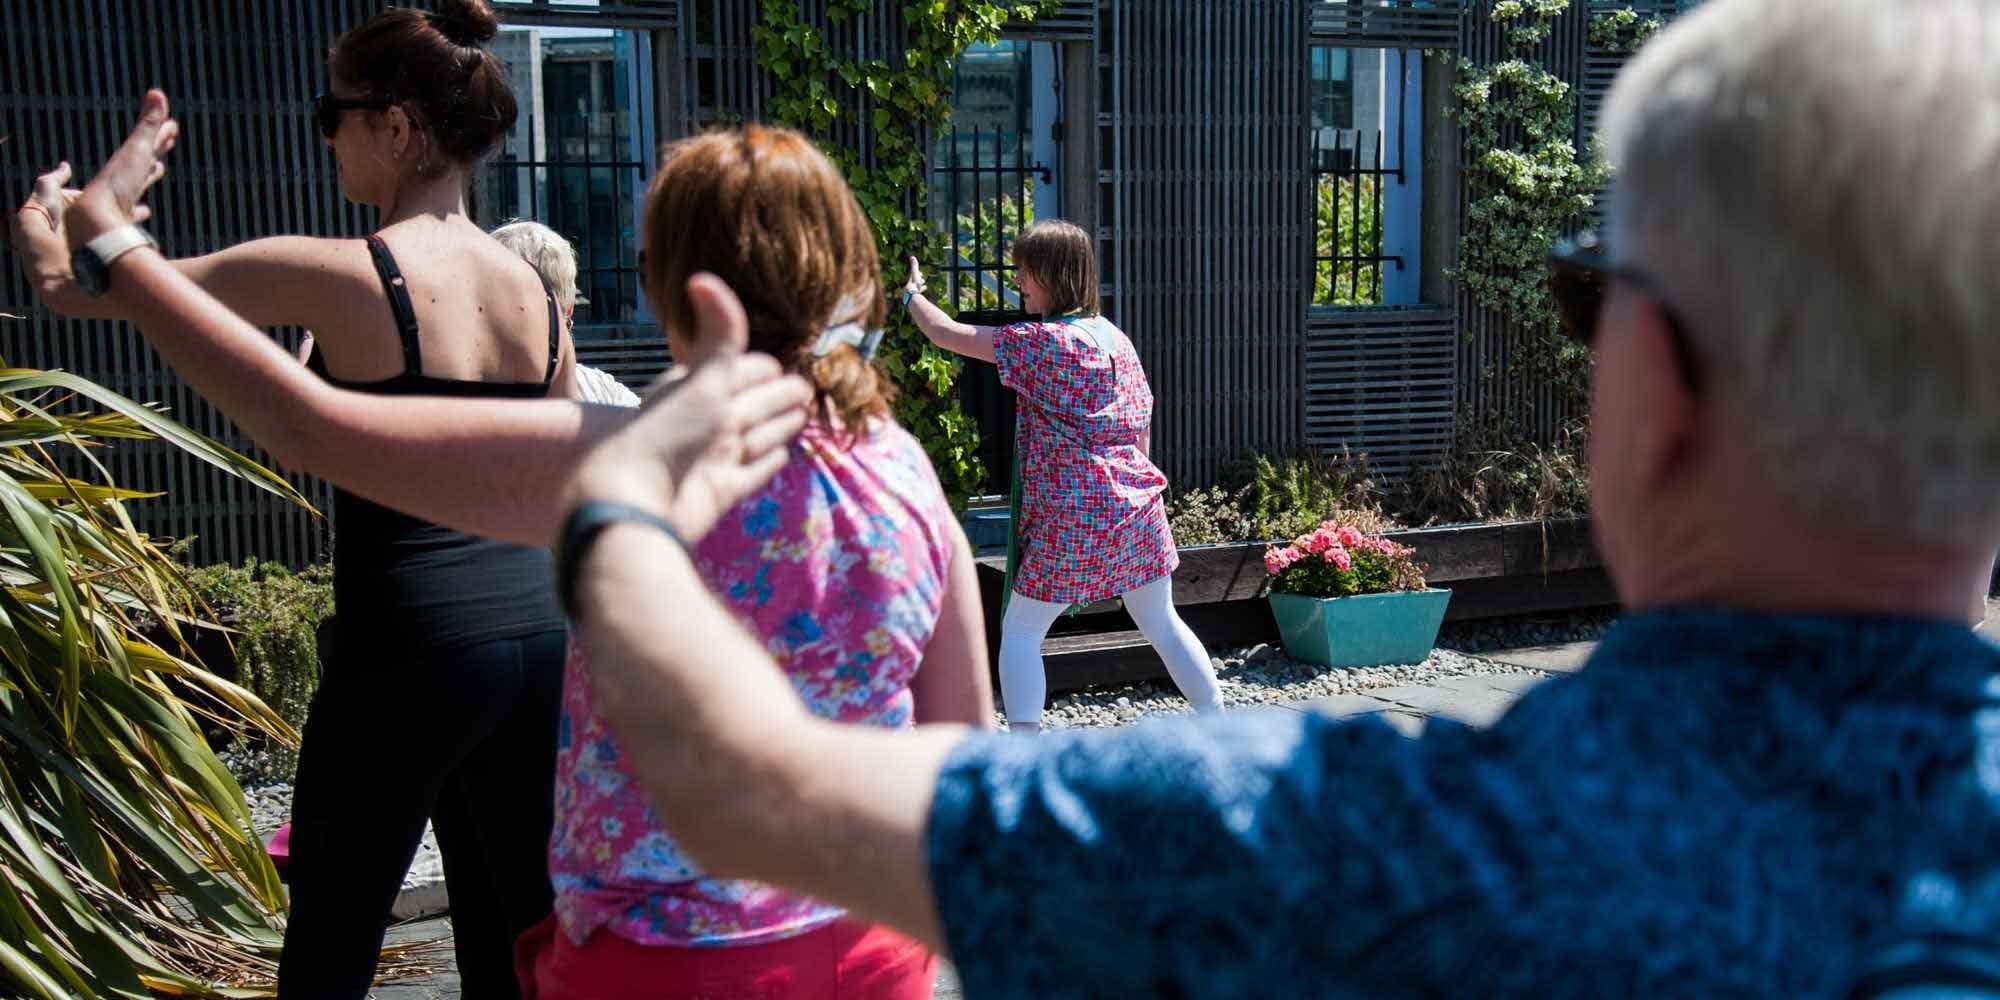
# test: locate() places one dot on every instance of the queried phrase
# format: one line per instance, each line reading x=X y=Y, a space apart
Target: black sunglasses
x=327 y=109
x=1580 y=273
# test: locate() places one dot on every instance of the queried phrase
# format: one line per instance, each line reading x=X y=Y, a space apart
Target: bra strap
x=399 y=304
x=555 y=331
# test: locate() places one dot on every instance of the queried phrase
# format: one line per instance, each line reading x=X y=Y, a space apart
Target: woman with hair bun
x=442 y=700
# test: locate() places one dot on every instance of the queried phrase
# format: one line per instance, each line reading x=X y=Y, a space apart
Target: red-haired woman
x=849 y=565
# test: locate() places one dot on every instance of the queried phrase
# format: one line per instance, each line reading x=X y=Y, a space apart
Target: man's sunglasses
x=1580 y=274
x=327 y=109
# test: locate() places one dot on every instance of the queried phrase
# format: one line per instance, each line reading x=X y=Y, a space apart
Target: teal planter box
x=1367 y=630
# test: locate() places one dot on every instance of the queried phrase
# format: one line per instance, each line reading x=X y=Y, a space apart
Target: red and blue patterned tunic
x=1093 y=516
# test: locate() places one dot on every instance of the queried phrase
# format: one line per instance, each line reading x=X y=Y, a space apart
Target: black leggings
x=465 y=737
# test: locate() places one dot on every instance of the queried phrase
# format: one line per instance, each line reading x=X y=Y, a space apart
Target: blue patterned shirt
x=1719 y=804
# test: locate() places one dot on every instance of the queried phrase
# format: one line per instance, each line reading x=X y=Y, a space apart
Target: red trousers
x=844 y=960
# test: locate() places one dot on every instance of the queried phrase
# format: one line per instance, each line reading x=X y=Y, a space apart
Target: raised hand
x=712 y=437
x=915 y=284
x=113 y=196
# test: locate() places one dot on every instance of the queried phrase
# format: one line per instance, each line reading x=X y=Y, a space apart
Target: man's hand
x=711 y=437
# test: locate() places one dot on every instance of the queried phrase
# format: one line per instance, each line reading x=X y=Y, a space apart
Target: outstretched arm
x=492 y=467
x=950 y=334
x=275 y=281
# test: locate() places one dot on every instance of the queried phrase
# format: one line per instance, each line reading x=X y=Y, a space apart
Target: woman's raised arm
x=490 y=467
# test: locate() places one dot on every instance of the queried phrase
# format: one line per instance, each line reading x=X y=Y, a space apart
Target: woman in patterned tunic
x=849 y=565
x=1093 y=520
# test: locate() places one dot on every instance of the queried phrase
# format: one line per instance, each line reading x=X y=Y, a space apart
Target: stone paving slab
x=1563 y=658
x=1466 y=699
x=1345 y=706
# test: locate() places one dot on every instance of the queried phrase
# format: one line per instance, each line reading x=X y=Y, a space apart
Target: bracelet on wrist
x=908 y=294
x=580 y=531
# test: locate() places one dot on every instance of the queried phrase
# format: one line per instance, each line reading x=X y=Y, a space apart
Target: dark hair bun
x=466 y=22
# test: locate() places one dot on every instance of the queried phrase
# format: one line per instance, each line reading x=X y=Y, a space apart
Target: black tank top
x=406 y=581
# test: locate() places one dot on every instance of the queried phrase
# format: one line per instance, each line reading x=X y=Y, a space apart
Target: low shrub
x=276 y=615
x=1499 y=475
x=1268 y=498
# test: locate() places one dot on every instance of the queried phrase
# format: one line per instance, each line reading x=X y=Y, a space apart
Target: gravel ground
x=1260 y=675
x=1256 y=675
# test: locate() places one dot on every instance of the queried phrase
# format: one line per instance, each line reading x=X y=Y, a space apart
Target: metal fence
x=249 y=164
x=982 y=196
x=1349 y=182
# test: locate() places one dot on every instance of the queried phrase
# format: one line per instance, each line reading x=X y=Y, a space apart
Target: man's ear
x=1667 y=438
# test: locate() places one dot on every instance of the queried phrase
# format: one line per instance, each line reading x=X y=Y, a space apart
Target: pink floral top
x=1093 y=516
x=840 y=565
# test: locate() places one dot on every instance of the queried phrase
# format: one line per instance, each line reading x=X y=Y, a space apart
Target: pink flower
x=1350 y=537
x=1338 y=556
x=1277 y=560
x=1317 y=542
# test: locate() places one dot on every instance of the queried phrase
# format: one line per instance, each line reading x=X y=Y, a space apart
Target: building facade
x=1274 y=186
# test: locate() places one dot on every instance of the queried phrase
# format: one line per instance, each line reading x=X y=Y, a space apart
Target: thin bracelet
x=39 y=207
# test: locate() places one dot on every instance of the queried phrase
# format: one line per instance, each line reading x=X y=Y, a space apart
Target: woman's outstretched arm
x=958 y=338
x=491 y=467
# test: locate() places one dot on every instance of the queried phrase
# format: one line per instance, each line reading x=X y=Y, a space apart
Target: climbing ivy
x=1622 y=31
x=815 y=88
x=1527 y=185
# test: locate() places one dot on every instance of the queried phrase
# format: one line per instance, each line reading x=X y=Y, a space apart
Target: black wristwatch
x=581 y=528
x=91 y=262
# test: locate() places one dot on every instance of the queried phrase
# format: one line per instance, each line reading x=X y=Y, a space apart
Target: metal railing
x=1349 y=177
x=983 y=194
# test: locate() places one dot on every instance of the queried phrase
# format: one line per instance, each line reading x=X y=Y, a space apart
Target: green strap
x=1013 y=523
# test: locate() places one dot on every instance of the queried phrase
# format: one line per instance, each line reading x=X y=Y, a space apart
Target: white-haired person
x=555 y=260
x=1778 y=776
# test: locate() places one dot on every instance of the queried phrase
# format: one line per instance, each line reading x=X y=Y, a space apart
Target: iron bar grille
x=1349 y=173
x=1071 y=21
x=982 y=195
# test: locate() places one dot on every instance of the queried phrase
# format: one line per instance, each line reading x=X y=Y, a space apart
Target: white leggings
x=1023 y=686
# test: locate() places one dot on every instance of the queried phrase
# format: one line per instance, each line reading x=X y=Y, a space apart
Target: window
x=578 y=157
x=1332 y=89
x=1365 y=149
x=992 y=167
